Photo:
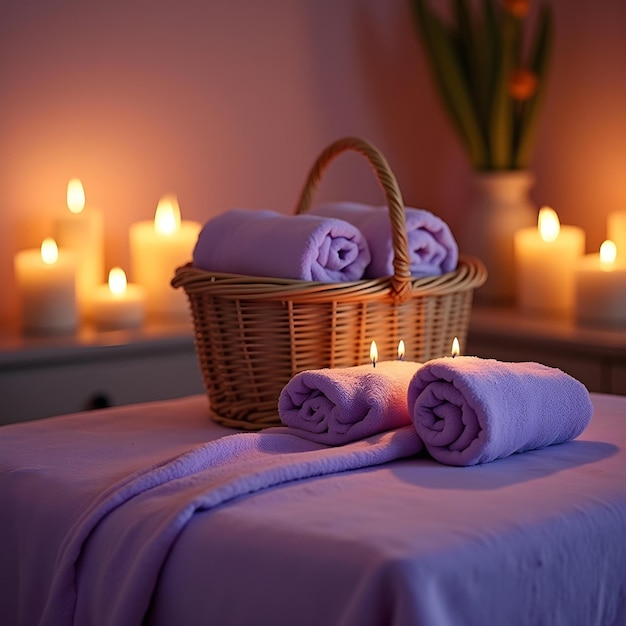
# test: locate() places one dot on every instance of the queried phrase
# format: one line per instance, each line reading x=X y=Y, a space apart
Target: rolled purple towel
x=266 y=243
x=433 y=249
x=337 y=406
x=469 y=410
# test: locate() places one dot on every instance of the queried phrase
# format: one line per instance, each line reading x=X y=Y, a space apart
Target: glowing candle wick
x=167 y=216
x=117 y=281
x=548 y=224
x=456 y=350
x=49 y=251
x=608 y=254
x=373 y=353
x=75 y=196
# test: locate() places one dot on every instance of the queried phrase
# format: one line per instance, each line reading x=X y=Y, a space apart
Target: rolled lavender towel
x=266 y=243
x=469 y=410
x=337 y=406
x=432 y=247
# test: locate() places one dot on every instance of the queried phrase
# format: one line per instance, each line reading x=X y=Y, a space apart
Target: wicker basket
x=253 y=334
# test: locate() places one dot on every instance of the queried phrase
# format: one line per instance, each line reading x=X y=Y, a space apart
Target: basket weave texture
x=253 y=334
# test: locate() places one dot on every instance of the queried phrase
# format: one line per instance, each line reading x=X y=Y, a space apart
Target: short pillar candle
x=118 y=304
x=46 y=284
x=616 y=231
x=601 y=288
x=545 y=258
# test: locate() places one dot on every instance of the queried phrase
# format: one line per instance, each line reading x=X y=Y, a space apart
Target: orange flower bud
x=522 y=84
x=517 y=8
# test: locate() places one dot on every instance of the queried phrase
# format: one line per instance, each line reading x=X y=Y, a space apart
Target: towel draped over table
x=119 y=541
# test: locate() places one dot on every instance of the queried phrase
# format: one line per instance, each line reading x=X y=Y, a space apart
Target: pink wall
x=227 y=102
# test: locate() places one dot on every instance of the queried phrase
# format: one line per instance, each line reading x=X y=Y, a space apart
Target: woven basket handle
x=401 y=279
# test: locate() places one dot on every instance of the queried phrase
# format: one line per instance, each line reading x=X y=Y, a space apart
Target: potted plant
x=489 y=66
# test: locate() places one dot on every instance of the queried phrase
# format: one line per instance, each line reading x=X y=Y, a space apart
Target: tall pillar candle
x=81 y=230
x=616 y=231
x=46 y=284
x=157 y=248
x=601 y=287
x=545 y=259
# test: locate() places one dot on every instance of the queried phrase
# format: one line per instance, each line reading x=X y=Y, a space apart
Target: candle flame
x=49 y=251
x=456 y=349
x=608 y=254
x=401 y=349
x=373 y=353
x=117 y=281
x=75 y=196
x=548 y=223
x=167 y=216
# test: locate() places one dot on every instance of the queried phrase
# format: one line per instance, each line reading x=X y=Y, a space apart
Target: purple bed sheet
x=537 y=538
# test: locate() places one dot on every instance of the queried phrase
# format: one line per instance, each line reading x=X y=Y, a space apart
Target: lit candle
x=81 y=230
x=157 y=248
x=118 y=304
x=456 y=349
x=46 y=283
x=601 y=287
x=545 y=259
x=616 y=230
x=373 y=353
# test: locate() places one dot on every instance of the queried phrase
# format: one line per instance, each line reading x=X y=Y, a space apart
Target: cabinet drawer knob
x=98 y=401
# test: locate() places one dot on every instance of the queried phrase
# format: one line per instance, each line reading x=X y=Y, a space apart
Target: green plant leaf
x=450 y=79
x=471 y=61
x=488 y=42
x=541 y=50
x=501 y=131
x=465 y=41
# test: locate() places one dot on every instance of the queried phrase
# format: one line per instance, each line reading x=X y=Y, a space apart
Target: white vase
x=500 y=205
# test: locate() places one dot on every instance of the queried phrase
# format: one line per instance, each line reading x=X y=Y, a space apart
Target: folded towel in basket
x=432 y=247
x=337 y=406
x=469 y=410
x=266 y=243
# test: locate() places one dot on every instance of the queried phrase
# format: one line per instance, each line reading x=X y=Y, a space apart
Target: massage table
x=538 y=538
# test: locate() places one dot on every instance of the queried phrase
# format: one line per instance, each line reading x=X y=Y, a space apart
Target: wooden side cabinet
x=595 y=356
x=42 y=377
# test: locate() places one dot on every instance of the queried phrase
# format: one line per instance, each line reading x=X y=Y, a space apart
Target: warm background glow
x=227 y=103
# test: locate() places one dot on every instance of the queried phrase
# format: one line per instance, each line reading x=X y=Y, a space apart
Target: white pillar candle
x=545 y=259
x=157 y=248
x=601 y=287
x=118 y=304
x=46 y=284
x=81 y=230
x=616 y=231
